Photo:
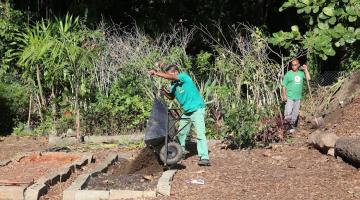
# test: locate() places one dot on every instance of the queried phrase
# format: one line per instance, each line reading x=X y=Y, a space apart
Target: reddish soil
x=142 y=173
x=12 y=145
x=345 y=122
x=34 y=166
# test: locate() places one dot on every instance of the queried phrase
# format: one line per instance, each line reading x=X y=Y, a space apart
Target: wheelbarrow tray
x=156 y=129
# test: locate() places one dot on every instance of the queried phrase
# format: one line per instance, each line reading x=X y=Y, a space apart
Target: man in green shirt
x=291 y=92
x=187 y=94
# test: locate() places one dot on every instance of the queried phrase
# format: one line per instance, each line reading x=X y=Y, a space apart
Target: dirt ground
x=290 y=171
x=34 y=166
x=345 y=122
x=285 y=171
x=140 y=173
x=11 y=145
x=56 y=192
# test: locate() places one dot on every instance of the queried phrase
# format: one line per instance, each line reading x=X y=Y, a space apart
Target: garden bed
x=32 y=167
x=122 y=177
x=28 y=176
x=142 y=173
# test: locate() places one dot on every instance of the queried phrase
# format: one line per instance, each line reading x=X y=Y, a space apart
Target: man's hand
x=163 y=91
x=158 y=64
x=304 y=67
x=166 y=93
x=152 y=72
x=307 y=74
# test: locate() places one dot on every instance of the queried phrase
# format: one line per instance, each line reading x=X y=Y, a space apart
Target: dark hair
x=295 y=59
x=171 y=67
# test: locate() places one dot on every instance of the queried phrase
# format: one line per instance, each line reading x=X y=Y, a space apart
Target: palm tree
x=35 y=45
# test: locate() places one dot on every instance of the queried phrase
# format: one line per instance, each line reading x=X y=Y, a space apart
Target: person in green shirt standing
x=187 y=94
x=291 y=92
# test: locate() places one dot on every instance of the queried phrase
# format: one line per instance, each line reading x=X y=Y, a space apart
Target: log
x=349 y=150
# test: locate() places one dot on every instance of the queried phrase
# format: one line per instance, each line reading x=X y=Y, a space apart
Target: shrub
x=13 y=105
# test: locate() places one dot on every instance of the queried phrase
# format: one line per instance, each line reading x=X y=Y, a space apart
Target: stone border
x=75 y=189
x=76 y=192
x=40 y=187
x=164 y=184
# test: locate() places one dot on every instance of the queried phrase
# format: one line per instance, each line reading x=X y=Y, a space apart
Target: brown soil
x=34 y=166
x=12 y=145
x=349 y=89
x=284 y=172
x=345 y=122
x=56 y=192
x=141 y=173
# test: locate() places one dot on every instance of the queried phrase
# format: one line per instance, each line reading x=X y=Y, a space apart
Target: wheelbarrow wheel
x=174 y=153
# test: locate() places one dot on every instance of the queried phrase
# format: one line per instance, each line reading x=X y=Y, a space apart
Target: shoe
x=291 y=131
x=185 y=153
x=204 y=162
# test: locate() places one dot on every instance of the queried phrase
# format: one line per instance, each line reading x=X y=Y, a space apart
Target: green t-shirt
x=186 y=93
x=293 y=82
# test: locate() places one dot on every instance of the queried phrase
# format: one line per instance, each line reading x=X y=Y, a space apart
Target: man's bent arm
x=307 y=74
x=283 y=90
x=172 y=77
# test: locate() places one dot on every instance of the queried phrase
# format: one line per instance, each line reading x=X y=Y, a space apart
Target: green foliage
x=242 y=85
x=11 y=23
x=203 y=62
x=242 y=122
x=330 y=24
x=13 y=105
x=102 y=73
x=126 y=108
x=352 y=62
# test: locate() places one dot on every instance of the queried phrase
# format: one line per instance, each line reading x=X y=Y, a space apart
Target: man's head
x=172 y=69
x=295 y=64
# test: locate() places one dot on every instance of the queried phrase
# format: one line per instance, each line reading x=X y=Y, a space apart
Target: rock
x=317 y=122
x=349 y=150
x=322 y=141
x=148 y=177
x=266 y=154
x=70 y=133
x=331 y=152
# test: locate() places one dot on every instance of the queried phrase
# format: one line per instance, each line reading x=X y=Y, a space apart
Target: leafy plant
x=11 y=23
x=243 y=85
x=330 y=24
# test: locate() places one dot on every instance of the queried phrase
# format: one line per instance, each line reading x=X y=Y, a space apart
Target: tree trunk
x=53 y=109
x=53 y=101
x=29 y=115
x=40 y=111
x=77 y=110
x=43 y=103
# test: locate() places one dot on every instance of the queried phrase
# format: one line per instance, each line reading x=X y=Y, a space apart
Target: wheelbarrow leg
x=166 y=142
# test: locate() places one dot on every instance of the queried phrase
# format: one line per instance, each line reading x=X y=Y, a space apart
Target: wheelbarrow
x=161 y=131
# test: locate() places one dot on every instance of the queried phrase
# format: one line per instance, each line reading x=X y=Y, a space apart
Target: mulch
x=345 y=122
x=287 y=171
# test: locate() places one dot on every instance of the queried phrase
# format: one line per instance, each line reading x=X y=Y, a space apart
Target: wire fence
x=327 y=78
